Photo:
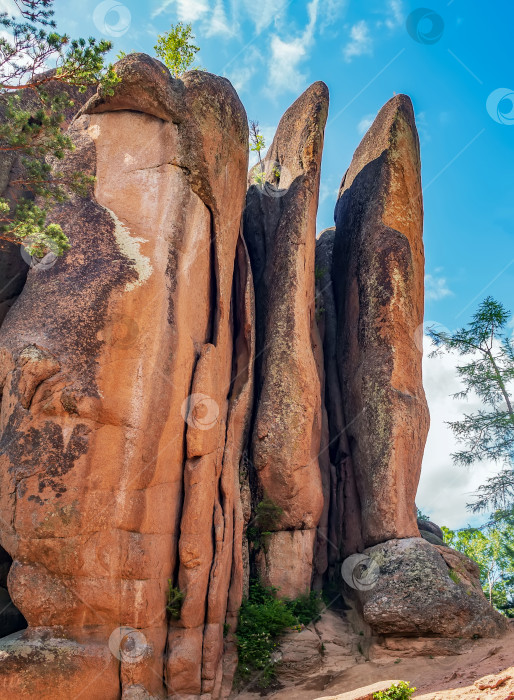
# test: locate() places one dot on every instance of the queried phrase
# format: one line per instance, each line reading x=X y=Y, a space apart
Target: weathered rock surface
x=134 y=455
x=422 y=590
x=378 y=274
x=344 y=530
x=126 y=396
x=37 y=664
x=433 y=539
x=432 y=528
x=279 y=228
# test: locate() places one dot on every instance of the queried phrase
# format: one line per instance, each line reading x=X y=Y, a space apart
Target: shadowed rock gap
x=11 y=619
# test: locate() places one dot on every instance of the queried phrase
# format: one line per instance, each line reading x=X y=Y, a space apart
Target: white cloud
x=187 y=10
x=436 y=287
x=445 y=488
x=361 y=41
x=365 y=123
x=265 y=12
x=241 y=75
x=217 y=23
x=285 y=56
x=328 y=191
x=395 y=14
x=332 y=10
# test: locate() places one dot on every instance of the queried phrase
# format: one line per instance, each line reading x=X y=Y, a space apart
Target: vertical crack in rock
x=344 y=532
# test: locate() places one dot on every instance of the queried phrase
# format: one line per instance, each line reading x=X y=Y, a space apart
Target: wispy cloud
x=187 y=10
x=365 y=123
x=436 y=287
x=330 y=11
x=395 y=16
x=286 y=56
x=241 y=75
x=360 y=42
x=328 y=190
x=217 y=24
x=422 y=125
x=265 y=12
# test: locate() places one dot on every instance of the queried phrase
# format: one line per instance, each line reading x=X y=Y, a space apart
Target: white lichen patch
x=130 y=247
x=94 y=131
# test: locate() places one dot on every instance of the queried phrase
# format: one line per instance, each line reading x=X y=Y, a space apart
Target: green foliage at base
x=306 y=608
x=262 y=619
x=398 y=691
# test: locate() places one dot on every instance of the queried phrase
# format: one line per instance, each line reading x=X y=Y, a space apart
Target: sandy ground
x=438 y=678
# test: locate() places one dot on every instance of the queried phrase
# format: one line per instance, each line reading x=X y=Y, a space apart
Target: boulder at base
x=426 y=590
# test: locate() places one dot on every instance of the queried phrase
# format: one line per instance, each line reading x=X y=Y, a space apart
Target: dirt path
x=437 y=678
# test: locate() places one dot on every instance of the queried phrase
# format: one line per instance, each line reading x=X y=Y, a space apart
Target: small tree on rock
x=31 y=128
x=176 y=49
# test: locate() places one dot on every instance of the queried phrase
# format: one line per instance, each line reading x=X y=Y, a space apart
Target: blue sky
x=273 y=49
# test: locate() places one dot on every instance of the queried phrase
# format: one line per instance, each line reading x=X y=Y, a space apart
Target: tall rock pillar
x=378 y=277
x=280 y=231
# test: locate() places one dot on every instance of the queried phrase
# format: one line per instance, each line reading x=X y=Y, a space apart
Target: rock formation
x=427 y=591
x=280 y=231
x=136 y=456
x=126 y=395
x=378 y=272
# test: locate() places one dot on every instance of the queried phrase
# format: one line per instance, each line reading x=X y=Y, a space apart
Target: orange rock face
x=378 y=274
x=279 y=228
x=126 y=395
x=134 y=452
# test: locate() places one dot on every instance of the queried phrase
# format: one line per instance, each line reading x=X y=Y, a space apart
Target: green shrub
x=267 y=515
x=398 y=691
x=262 y=619
x=306 y=608
x=175 y=600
